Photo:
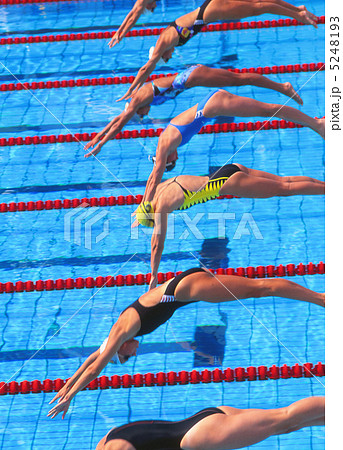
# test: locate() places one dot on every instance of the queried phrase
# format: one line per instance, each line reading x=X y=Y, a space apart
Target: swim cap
x=151 y=51
x=169 y=166
x=145 y=214
x=136 y=116
x=115 y=359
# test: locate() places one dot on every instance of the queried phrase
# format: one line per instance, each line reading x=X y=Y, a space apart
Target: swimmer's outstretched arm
x=129 y=21
x=164 y=43
x=155 y=177
x=113 y=128
x=72 y=380
x=125 y=328
x=157 y=245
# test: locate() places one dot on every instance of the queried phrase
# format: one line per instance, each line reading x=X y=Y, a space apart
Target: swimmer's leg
x=210 y=77
x=225 y=104
x=224 y=288
x=239 y=9
x=244 y=427
x=251 y=183
x=272 y=176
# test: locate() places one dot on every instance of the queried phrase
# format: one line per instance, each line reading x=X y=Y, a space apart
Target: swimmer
x=185 y=27
x=218 y=103
x=184 y=191
x=138 y=9
x=162 y=89
x=156 y=306
x=220 y=428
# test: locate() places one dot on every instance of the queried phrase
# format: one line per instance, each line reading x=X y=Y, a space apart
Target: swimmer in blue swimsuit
x=192 y=128
x=162 y=94
x=168 y=88
x=217 y=427
x=218 y=103
x=155 y=307
x=187 y=26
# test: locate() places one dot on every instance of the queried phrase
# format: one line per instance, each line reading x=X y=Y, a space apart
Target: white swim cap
x=115 y=359
x=151 y=51
x=169 y=165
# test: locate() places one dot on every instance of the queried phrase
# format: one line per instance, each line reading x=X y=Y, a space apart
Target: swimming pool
x=35 y=245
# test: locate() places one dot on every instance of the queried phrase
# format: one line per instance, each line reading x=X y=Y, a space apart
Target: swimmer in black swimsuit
x=184 y=191
x=156 y=306
x=167 y=88
x=216 y=428
x=187 y=26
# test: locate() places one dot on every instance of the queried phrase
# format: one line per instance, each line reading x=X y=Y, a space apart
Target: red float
x=262 y=372
x=274 y=372
x=58 y=384
x=308 y=370
x=138 y=380
x=319 y=370
x=25 y=387
x=48 y=385
x=240 y=374
x=161 y=379
x=104 y=382
x=184 y=377
x=126 y=381
x=115 y=382
x=297 y=371
x=149 y=379
x=285 y=371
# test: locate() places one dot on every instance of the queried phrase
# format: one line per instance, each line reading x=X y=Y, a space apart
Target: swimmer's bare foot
x=290 y=91
x=321 y=299
x=310 y=15
x=320 y=129
x=306 y=17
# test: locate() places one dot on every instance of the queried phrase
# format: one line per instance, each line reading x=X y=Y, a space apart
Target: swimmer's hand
x=61 y=393
x=130 y=93
x=95 y=150
x=115 y=40
x=62 y=406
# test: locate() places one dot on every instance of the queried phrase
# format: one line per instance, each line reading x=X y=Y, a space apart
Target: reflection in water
x=213 y=253
x=208 y=345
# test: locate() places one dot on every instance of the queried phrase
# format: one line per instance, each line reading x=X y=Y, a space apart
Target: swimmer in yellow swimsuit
x=184 y=191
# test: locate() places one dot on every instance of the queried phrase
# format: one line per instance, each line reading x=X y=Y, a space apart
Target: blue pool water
x=34 y=245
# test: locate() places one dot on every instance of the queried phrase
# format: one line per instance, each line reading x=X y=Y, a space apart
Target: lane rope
x=229 y=26
x=140 y=279
x=21 y=2
x=98 y=202
x=232 y=127
x=57 y=84
x=239 y=374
